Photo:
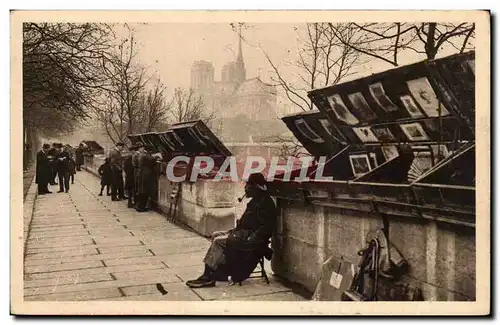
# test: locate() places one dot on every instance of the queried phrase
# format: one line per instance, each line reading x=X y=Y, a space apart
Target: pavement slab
x=83 y=247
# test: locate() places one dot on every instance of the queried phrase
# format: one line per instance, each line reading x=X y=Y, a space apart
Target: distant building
x=235 y=96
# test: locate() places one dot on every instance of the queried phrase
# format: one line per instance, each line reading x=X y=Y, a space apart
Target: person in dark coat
x=63 y=168
x=106 y=177
x=71 y=168
x=117 y=186
x=79 y=160
x=128 y=168
x=235 y=253
x=52 y=155
x=136 y=157
x=147 y=176
x=43 y=170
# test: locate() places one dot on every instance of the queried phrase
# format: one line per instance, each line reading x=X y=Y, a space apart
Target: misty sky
x=171 y=48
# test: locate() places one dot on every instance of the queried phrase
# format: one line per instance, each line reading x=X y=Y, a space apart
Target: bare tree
x=62 y=73
x=386 y=41
x=187 y=106
x=130 y=106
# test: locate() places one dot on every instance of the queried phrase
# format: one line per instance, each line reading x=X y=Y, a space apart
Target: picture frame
x=361 y=106
x=411 y=106
x=384 y=134
x=340 y=110
x=365 y=134
x=307 y=131
x=424 y=94
x=373 y=160
x=389 y=152
x=360 y=164
x=378 y=93
x=414 y=132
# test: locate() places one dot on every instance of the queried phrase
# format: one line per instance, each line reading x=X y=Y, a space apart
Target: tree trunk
x=430 y=45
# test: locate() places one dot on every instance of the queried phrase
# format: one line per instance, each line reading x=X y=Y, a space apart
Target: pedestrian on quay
x=71 y=168
x=147 y=176
x=136 y=157
x=128 y=168
x=52 y=156
x=63 y=168
x=115 y=159
x=43 y=170
x=79 y=161
x=106 y=177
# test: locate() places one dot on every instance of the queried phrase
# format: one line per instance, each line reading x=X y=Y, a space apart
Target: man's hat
x=119 y=143
x=258 y=180
x=46 y=146
x=58 y=145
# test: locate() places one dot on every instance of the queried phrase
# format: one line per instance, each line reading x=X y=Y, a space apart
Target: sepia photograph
x=177 y=163
x=424 y=94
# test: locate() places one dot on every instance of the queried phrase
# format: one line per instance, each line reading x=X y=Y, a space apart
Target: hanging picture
x=378 y=93
x=361 y=106
x=341 y=111
x=410 y=106
x=439 y=152
x=389 y=152
x=365 y=134
x=373 y=160
x=307 y=131
x=414 y=132
x=425 y=96
x=326 y=125
x=422 y=162
x=384 y=134
x=360 y=164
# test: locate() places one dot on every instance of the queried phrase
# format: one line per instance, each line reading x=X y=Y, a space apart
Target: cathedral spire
x=240 y=63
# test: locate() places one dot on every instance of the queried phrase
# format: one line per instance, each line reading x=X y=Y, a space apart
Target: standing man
x=63 y=168
x=136 y=157
x=43 y=170
x=115 y=159
x=79 y=156
x=129 y=176
x=147 y=171
x=52 y=156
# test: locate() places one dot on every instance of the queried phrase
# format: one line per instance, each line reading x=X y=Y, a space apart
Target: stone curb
x=28 y=207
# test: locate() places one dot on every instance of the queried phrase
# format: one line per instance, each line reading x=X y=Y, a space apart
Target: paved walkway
x=85 y=247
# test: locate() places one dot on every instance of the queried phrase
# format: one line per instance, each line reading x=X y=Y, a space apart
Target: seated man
x=236 y=252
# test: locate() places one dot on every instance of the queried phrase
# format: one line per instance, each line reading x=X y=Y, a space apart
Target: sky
x=169 y=49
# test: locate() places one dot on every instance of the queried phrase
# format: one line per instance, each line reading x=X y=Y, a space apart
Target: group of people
x=55 y=163
x=140 y=168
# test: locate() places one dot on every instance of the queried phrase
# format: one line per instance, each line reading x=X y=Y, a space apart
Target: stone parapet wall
x=441 y=255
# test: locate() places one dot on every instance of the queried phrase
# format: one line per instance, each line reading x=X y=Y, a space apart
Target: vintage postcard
x=250 y=163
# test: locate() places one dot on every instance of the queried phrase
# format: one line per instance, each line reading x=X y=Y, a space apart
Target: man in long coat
x=147 y=178
x=79 y=160
x=136 y=157
x=63 y=168
x=128 y=168
x=43 y=170
x=115 y=160
x=236 y=252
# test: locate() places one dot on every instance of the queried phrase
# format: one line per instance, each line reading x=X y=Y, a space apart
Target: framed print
x=307 y=131
x=326 y=125
x=365 y=134
x=360 y=164
x=389 y=152
x=359 y=103
x=373 y=160
x=422 y=162
x=384 y=134
x=425 y=96
x=439 y=152
x=410 y=106
x=379 y=95
x=414 y=132
x=341 y=111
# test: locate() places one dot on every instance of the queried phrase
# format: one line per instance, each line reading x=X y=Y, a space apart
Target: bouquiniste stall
x=400 y=148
